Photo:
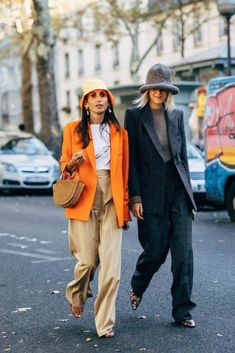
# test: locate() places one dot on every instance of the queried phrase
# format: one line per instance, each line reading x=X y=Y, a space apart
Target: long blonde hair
x=144 y=99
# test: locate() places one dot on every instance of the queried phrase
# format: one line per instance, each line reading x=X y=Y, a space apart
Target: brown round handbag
x=66 y=192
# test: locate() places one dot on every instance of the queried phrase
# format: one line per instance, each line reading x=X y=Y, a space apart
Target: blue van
x=217 y=83
x=220 y=143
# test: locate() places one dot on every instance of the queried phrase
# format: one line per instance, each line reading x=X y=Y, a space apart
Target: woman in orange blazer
x=96 y=149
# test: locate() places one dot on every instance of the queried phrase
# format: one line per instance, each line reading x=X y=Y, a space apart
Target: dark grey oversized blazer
x=146 y=171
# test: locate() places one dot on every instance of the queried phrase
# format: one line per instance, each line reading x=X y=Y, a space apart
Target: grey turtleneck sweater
x=159 y=120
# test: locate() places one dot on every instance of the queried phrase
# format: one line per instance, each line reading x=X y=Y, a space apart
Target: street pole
x=228 y=45
x=226 y=8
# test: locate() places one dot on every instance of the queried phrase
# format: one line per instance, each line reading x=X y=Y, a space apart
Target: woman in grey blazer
x=160 y=192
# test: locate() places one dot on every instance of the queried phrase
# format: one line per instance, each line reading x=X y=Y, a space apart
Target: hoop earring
x=87 y=112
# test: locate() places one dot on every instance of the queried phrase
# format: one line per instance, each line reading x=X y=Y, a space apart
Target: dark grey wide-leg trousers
x=171 y=231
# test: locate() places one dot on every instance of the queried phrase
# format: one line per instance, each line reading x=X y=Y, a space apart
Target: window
x=96 y=25
x=222 y=27
x=80 y=62
x=79 y=27
x=176 y=35
x=29 y=146
x=5 y=107
x=115 y=55
x=159 y=44
x=97 y=58
x=153 y=5
x=67 y=66
x=197 y=31
x=68 y=99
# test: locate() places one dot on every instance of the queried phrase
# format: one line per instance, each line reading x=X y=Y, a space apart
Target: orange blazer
x=119 y=164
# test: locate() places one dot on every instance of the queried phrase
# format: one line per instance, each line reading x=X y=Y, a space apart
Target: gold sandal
x=109 y=334
x=76 y=311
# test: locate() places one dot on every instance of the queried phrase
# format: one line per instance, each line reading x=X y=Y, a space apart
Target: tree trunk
x=26 y=93
x=50 y=128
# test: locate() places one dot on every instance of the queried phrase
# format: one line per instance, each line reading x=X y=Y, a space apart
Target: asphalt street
x=36 y=265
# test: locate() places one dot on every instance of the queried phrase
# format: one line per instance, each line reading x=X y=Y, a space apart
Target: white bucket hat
x=92 y=85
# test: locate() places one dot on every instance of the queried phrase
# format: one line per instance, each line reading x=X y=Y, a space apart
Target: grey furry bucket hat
x=159 y=76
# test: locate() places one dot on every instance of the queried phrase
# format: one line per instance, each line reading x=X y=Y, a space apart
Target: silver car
x=25 y=162
x=197 y=172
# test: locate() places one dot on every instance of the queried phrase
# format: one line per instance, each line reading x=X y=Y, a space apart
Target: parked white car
x=197 y=172
x=25 y=162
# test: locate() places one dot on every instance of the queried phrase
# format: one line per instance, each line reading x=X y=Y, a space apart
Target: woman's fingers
x=137 y=209
x=141 y=211
x=78 y=158
x=75 y=161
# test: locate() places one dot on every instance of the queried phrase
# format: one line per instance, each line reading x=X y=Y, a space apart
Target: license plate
x=36 y=179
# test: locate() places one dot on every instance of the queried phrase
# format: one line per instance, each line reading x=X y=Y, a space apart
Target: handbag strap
x=67 y=176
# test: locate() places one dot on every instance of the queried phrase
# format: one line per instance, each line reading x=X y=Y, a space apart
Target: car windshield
x=29 y=146
x=193 y=152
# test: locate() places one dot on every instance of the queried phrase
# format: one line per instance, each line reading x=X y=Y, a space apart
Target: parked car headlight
x=56 y=170
x=8 y=167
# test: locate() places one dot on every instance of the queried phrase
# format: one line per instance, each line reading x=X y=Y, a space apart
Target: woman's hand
x=75 y=161
x=125 y=225
x=137 y=209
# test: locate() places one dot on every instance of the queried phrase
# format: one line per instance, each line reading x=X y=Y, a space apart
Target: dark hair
x=82 y=127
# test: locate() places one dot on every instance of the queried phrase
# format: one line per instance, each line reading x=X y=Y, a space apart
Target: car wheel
x=231 y=201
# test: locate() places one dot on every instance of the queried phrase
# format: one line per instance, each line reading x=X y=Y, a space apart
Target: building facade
x=79 y=56
x=205 y=56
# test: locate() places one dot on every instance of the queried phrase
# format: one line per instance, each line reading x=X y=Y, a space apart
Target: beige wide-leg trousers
x=92 y=243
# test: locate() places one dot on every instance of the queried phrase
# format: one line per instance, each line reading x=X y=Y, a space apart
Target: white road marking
x=17 y=245
x=25 y=238
x=130 y=250
x=21 y=310
x=43 y=258
x=45 y=251
x=53 y=259
x=18 y=238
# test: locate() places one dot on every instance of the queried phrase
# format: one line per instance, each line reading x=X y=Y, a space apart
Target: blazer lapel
x=114 y=146
x=90 y=151
x=147 y=120
x=171 y=119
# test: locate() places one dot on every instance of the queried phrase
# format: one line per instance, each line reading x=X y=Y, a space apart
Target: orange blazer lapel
x=114 y=146
x=90 y=150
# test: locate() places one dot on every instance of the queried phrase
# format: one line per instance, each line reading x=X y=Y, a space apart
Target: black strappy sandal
x=189 y=323
x=135 y=301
